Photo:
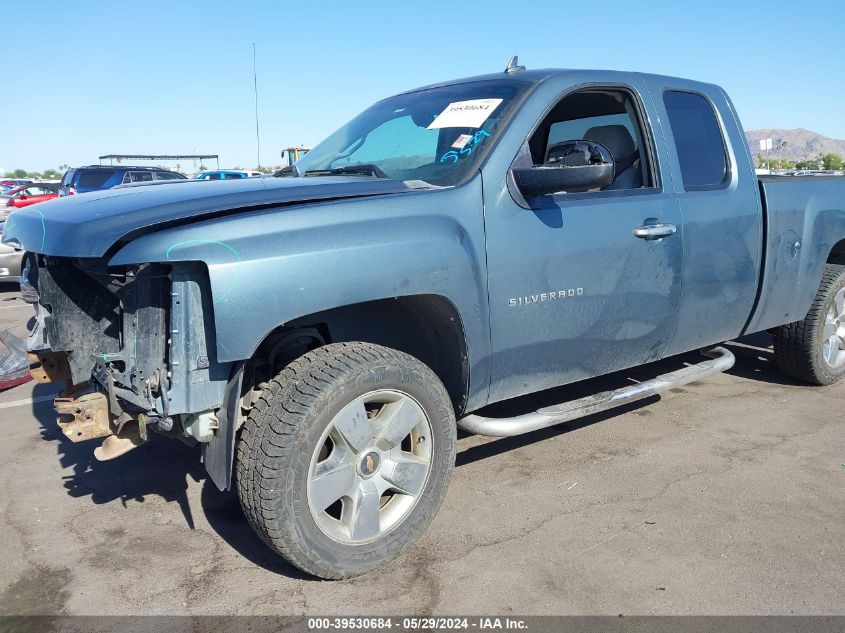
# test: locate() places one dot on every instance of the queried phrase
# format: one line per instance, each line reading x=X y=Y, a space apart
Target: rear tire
x=813 y=349
x=324 y=477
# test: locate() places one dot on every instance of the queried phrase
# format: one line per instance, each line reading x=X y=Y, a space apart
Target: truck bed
x=803 y=217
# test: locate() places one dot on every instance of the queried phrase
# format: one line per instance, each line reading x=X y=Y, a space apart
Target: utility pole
x=255 y=86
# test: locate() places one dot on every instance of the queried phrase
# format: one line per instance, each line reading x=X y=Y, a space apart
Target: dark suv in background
x=97 y=177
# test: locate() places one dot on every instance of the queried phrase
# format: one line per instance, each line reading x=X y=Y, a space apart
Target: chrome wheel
x=370 y=467
x=833 y=332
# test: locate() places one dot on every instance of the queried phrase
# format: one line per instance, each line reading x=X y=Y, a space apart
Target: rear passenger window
x=94 y=178
x=167 y=175
x=698 y=139
x=142 y=176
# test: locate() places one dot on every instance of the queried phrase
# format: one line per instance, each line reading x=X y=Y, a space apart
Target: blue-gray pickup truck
x=323 y=334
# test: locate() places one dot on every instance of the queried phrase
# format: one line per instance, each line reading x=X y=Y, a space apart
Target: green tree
x=51 y=174
x=18 y=173
x=774 y=163
x=806 y=164
x=832 y=161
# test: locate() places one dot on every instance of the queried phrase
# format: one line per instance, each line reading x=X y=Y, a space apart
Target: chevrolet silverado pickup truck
x=322 y=335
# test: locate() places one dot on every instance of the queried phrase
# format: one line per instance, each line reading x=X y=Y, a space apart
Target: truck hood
x=87 y=225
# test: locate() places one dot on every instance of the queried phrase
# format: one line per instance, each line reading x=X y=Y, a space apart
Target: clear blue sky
x=96 y=77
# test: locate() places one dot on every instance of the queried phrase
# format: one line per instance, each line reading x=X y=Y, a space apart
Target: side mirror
x=571 y=166
x=23 y=196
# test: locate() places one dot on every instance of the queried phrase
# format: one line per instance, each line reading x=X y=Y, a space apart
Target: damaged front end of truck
x=133 y=315
x=134 y=353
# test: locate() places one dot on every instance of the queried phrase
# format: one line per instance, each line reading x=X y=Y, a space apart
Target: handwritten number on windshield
x=452 y=156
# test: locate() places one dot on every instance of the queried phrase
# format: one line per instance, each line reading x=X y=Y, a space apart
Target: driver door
x=573 y=292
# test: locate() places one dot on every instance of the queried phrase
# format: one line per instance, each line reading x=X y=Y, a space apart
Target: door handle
x=655 y=231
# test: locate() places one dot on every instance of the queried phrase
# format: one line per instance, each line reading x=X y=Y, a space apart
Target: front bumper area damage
x=47 y=367
x=81 y=417
x=85 y=417
x=132 y=349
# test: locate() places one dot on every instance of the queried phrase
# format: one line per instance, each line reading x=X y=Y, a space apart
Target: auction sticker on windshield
x=462 y=140
x=472 y=113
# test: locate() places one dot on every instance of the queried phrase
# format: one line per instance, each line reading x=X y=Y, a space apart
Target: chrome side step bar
x=720 y=359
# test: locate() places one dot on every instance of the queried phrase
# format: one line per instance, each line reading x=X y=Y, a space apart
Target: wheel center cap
x=369 y=464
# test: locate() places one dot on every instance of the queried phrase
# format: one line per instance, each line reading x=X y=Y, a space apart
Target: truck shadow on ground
x=754 y=361
x=224 y=514
x=9 y=290
x=162 y=467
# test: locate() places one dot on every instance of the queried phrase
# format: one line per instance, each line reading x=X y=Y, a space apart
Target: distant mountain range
x=800 y=145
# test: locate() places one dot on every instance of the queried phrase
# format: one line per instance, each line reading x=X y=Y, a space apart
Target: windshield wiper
x=362 y=169
x=289 y=171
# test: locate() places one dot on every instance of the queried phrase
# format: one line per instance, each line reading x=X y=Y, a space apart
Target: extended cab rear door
x=715 y=183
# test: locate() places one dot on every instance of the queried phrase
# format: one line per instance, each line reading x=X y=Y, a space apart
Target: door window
x=36 y=191
x=168 y=175
x=94 y=178
x=141 y=176
x=698 y=140
x=604 y=116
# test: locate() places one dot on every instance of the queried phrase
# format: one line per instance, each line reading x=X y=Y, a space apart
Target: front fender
x=270 y=267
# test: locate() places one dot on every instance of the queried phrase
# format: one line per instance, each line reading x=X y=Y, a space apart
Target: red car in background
x=25 y=195
x=8 y=184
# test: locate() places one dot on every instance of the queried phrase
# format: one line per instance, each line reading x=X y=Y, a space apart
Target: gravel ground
x=723 y=497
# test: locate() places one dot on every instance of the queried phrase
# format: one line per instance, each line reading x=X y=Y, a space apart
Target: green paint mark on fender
x=237 y=255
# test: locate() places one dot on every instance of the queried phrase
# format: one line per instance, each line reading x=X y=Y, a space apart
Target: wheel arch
x=428 y=327
x=421 y=325
x=837 y=253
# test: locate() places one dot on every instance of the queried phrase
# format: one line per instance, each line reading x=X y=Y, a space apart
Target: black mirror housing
x=571 y=166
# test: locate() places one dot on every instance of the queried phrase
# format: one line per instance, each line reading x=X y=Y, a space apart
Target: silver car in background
x=11 y=260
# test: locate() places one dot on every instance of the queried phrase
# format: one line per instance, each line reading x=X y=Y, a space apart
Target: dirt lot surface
x=724 y=497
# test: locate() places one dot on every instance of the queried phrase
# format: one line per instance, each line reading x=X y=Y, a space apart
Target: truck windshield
x=437 y=135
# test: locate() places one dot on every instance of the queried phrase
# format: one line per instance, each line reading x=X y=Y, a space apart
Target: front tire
x=813 y=349
x=346 y=457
